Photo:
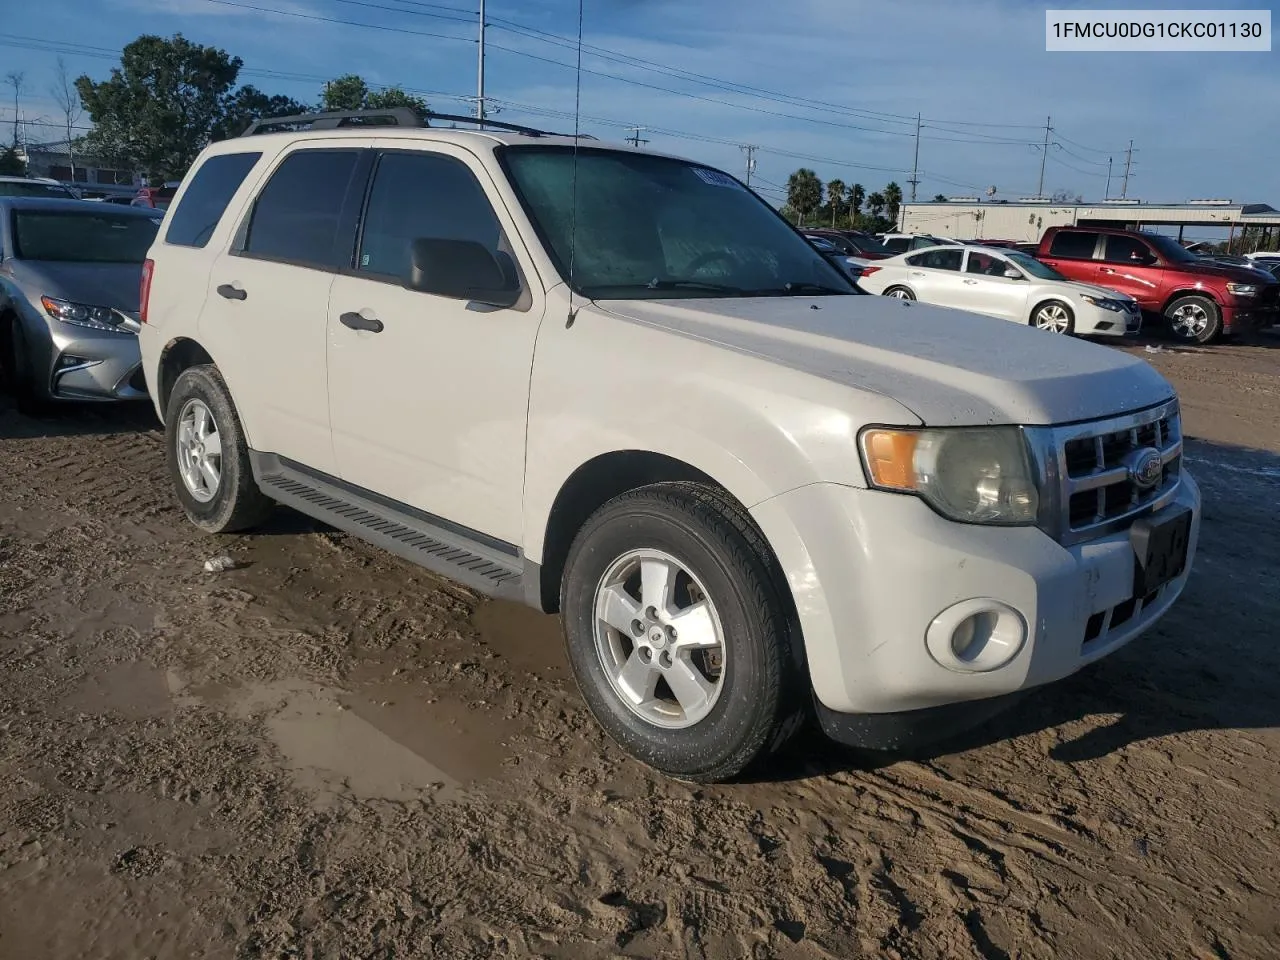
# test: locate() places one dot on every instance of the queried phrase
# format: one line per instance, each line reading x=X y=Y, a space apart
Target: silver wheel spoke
x=616 y=608
x=213 y=445
x=657 y=584
x=209 y=476
x=637 y=678
x=695 y=627
x=200 y=421
x=693 y=691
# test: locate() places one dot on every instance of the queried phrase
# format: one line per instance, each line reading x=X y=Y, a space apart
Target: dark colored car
x=855 y=243
x=156 y=198
x=1200 y=299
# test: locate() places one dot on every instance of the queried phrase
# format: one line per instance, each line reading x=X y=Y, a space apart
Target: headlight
x=84 y=315
x=1106 y=303
x=973 y=475
x=1242 y=289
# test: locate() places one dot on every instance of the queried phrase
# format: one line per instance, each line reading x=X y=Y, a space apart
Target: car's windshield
x=868 y=245
x=654 y=227
x=1031 y=265
x=1170 y=248
x=34 y=188
x=96 y=236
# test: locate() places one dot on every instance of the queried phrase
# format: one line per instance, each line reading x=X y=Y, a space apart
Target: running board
x=494 y=568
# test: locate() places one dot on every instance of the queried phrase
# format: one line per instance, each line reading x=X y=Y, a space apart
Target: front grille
x=1269 y=296
x=1090 y=481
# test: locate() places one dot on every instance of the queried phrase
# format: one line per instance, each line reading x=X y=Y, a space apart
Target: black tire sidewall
x=1211 y=332
x=744 y=715
x=204 y=383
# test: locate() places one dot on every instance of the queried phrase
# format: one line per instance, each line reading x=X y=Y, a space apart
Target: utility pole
x=635 y=139
x=915 y=164
x=1107 y=195
x=1044 y=154
x=480 y=70
x=750 y=151
x=1128 y=162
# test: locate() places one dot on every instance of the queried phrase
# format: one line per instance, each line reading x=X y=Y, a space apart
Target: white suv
x=619 y=386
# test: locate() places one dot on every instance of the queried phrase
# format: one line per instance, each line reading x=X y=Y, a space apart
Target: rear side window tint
x=296 y=216
x=207 y=196
x=1073 y=245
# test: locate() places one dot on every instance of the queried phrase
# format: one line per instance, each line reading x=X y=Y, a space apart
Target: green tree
x=159 y=108
x=11 y=163
x=804 y=192
x=248 y=104
x=835 y=197
x=875 y=206
x=939 y=198
x=857 y=195
x=892 y=201
x=351 y=92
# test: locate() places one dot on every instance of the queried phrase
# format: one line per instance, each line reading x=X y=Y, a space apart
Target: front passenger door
x=429 y=395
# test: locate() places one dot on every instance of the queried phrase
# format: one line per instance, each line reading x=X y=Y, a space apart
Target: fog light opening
x=976 y=636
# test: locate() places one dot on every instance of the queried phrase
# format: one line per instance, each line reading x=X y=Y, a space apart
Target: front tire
x=679 y=633
x=1194 y=319
x=1054 y=316
x=899 y=293
x=22 y=377
x=208 y=457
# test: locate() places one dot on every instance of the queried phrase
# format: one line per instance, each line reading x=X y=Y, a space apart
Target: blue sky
x=1205 y=125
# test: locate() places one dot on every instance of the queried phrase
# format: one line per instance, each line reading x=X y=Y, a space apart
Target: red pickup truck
x=1200 y=300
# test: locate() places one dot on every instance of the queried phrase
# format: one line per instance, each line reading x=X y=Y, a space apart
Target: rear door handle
x=971 y=281
x=358 y=321
x=1106 y=270
x=232 y=291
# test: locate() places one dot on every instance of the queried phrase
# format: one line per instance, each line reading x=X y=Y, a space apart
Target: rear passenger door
x=268 y=297
x=934 y=275
x=1071 y=253
x=430 y=408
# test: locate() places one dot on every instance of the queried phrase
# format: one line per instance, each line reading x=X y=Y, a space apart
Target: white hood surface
x=948 y=367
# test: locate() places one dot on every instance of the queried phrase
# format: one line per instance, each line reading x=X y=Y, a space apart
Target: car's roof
x=467 y=138
x=68 y=205
x=44 y=180
x=971 y=247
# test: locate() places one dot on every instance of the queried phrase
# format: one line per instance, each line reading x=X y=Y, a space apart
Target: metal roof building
x=1027 y=220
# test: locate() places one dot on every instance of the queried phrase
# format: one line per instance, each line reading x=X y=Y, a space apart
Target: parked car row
x=1088 y=280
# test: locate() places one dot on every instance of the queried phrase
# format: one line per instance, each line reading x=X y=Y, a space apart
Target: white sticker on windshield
x=715 y=177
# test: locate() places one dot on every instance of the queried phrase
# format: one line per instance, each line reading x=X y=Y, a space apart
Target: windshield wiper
x=707 y=286
x=794 y=290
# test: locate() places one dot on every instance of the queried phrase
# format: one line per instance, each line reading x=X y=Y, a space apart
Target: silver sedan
x=70 y=272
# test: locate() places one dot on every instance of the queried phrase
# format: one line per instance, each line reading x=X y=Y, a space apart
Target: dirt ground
x=327 y=753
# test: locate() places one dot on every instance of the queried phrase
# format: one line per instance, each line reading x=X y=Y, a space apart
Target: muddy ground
x=328 y=753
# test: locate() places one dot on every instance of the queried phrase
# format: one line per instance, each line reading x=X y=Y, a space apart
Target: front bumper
x=79 y=363
x=1096 y=322
x=1244 y=317
x=870 y=571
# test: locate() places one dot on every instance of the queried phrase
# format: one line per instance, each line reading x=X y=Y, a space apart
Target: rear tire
x=207 y=455
x=899 y=293
x=680 y=636
x=1194 y=319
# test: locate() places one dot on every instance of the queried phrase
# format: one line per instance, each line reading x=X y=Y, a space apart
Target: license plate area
x=1160 y=545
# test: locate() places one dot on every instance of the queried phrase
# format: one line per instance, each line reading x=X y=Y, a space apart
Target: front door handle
x=358 y=321
x=232 y=291
x=971 y=282
x=1106 y=270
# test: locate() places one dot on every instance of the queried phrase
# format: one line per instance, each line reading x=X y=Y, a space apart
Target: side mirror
x=462 y=270
x=1011 y=273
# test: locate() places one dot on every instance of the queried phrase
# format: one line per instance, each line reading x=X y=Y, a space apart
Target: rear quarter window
x=1073 y=245
x=206 y=199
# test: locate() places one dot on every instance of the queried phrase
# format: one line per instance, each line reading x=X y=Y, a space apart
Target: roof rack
x=390 y=117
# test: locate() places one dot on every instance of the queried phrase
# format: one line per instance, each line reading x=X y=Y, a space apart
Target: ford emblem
x=1146 y=468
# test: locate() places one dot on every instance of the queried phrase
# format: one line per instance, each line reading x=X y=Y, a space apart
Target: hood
x=1102 y=293
x=948 y=367
x=96 y=284
x=1219 y=271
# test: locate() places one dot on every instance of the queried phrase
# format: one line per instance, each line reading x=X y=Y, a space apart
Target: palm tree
x=875 y=205
x=857 y=194
x=939 y=198
x=892 y=201
x=804 y=192
x=835 y=197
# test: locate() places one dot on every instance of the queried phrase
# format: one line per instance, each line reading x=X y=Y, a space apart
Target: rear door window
x=206 y=199
x=297 y=215
x=938 y=259
x=1073 y=245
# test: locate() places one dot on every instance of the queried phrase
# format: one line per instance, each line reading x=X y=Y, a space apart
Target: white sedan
x=1006 y=284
